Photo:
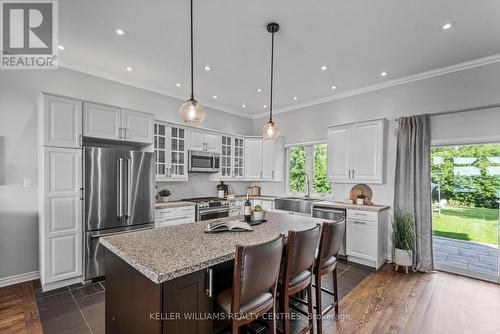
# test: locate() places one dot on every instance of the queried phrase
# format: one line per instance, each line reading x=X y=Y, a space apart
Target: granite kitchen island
x=164 y=280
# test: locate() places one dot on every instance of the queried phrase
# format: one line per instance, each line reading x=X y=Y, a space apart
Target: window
x=310 y=160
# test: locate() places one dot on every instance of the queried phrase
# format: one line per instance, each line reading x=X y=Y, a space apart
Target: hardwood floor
x=393 y=302
x=18 y=310
x=371 y=302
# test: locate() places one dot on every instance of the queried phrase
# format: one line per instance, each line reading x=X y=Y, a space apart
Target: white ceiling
x=357 y=40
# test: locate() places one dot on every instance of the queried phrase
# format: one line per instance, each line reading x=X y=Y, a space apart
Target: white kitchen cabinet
x=253 y=158
x=174 y=216
x=201 y=140
x=264 y=159
x=101 y=121
x=356 y=152
x=107 y=122
x=232 y=159
x=62 y=121
x=268 y=159
x=366 y=237
x=137 y=126
x=170 y=152
x=60 y=218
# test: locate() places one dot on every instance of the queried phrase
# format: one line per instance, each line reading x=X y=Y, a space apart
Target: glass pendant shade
x=270 y=131
x=192 y=112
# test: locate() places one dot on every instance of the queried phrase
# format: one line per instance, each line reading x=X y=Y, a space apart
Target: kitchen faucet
x=308 y=187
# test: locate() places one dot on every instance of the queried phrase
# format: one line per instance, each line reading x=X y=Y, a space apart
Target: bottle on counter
x=248 y=210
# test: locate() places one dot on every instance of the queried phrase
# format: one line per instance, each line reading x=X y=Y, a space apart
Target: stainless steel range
x=210 y=207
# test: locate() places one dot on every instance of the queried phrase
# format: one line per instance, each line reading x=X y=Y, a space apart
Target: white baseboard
x=60 y=284
x=19 y=278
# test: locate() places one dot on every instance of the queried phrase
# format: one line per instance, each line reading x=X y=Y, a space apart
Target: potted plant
x=403 y=238
x=164 y=194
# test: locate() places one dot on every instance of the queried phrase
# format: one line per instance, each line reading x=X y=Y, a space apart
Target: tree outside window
x=310 y=160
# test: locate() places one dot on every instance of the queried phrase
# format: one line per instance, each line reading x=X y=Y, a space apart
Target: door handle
x=93 y=236
x=353 y=173
x=349 y=174
x=80 y=141
x=129 y=188
x=119 y=179
x=210 y=283
x=81 y=194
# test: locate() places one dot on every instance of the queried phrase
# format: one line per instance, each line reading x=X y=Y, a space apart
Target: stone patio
x=467 y=255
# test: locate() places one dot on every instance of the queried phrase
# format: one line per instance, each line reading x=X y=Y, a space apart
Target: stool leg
x=272 y=321
x=319 y=308
x=396 y=269
x=234 y=328
x=335 y=291
x=310 y=307
x=285 y=310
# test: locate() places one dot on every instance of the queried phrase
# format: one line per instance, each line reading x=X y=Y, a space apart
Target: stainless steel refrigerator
x=118 y=198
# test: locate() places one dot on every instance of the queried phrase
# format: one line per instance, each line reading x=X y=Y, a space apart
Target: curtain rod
x=487 y=106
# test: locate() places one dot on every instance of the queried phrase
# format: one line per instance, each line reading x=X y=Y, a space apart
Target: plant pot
x=164 y=199
x=403 y=257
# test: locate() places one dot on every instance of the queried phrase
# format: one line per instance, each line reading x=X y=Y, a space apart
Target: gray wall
x=473 y=87
x=18 y=147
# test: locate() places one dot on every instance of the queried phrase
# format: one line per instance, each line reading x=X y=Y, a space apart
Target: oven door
x=200 y=161
x=213 y=214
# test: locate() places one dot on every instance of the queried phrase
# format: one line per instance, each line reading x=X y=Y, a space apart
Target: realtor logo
x=28 y=34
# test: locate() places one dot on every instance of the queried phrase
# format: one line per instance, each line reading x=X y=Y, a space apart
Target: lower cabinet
x=366 y=237
x=174 y=216
x=60 y=219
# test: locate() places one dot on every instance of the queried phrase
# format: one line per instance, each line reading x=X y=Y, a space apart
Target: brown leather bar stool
x=255 y=278
x=298 y=272
x=332 y=236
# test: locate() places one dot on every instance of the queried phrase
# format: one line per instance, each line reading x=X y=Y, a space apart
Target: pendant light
x=271 y=130
x=192 y=111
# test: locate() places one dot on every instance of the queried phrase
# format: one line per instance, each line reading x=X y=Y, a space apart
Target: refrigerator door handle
x=119 y=187
x=129 y=187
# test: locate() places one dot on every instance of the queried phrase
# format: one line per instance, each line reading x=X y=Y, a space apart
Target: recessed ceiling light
x=295 y=98
x=120 y=32
x=129 y=69
x=383 y=74
x=207 y=68
x=259 y=90
x=447 y=25
x=265 y=106
x=333 y=87
x=60 y=47
x=177 y=84
x=324 y=68
x=243 y=105
x=215 y=97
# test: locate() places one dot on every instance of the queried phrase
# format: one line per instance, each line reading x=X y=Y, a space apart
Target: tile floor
x=466 y=255
x=80 y=309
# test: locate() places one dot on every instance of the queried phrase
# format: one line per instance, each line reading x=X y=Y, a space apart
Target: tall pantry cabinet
x=60 y=190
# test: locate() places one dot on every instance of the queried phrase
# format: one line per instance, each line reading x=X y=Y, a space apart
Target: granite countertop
x=165 y=253
x=262 y=197
x=173 y=204
x=376 y=208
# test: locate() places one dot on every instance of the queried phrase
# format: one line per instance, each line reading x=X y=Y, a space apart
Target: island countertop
x=166 y=253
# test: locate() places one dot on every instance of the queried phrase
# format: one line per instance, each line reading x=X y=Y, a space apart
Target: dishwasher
x=334 y=214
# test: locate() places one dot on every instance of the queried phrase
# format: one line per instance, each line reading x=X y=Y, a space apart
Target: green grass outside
x=474 y=224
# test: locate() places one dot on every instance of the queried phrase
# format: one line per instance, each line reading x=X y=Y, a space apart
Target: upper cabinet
x=62 y=121
x=201 y=140
x=170 y=152
x=263 y=159
x=356 y=152
x=100 y=121
x=106 y=122
x=232 y=158
x=137 y=126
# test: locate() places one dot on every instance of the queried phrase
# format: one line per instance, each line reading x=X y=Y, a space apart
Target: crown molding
x=143 y=86
x=396 y=82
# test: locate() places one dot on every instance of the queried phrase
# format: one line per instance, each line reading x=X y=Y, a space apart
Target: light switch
x=28 y=182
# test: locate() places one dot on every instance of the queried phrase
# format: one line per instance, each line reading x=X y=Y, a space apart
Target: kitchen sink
x=295 y=204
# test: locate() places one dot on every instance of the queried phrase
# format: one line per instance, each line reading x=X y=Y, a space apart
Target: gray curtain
x=412 y=191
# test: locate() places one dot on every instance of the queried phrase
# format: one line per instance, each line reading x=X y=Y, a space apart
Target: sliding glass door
x=465 y=202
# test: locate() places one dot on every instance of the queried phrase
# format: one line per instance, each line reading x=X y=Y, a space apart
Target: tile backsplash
x=199 y=185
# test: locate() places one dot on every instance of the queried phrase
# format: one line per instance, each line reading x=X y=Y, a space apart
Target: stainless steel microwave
x=201 y=161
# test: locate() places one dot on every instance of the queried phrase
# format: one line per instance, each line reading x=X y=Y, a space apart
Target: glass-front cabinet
x=232 y=158
x=170 y=151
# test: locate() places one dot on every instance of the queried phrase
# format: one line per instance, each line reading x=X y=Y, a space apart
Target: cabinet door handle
x=353 y=173
x=80 y=141
x=81 y=194
x=272 y=174
x=349 y=174
x=358 y=222
x=209 y=290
